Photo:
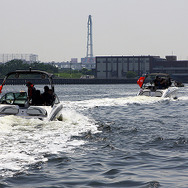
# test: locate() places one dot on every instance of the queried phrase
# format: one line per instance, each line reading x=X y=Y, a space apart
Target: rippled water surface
x=109 y=137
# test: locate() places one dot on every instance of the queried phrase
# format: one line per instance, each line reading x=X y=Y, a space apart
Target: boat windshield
x=19 y=98
x=149 y=79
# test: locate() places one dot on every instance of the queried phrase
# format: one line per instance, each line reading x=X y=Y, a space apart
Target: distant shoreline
x=72 y=81
x=62 y=81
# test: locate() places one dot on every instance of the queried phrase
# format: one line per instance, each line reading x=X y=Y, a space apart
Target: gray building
x=118 y=66
x=109 y=67
x=178 y=69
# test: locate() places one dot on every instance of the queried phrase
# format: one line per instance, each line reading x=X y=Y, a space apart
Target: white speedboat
x=19 y=103
x=157 y=85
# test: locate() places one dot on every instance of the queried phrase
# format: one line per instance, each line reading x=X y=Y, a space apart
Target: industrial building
x=178 y=69
x=109 y=67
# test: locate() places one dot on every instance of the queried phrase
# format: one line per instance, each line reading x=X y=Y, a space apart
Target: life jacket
x=1 y=87
x=31 y=91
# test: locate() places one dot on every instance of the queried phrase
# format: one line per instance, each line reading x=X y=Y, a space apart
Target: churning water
x=109 y=137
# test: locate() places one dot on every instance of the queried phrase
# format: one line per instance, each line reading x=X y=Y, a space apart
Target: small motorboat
x=19 y=102
x=157 y=85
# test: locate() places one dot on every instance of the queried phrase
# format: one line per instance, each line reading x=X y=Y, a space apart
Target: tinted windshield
x=14 y=98
x=150 y=78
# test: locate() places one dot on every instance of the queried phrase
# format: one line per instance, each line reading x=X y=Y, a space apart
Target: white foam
x=123 y=101
x=183 y=98
x=25 y=142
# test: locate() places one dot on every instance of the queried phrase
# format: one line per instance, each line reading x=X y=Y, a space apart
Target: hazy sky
x=56 y=30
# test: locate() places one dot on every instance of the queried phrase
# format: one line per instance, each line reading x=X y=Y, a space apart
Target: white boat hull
x=170 y=92
x=47 y=113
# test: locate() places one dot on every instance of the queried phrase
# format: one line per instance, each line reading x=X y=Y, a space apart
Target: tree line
x=14 y=65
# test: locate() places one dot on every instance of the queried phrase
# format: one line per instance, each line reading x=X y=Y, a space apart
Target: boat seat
x=158 y=94
x=146 y=93
x=9 y=110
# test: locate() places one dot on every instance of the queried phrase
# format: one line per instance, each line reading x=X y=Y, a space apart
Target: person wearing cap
x=31 y=90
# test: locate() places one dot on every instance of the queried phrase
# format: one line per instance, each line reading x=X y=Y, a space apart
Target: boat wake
x=124 y=101
x=24 y=142
x=183 y=98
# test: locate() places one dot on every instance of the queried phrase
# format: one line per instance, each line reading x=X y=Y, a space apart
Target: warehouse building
x=109 y=67
x=118 y=66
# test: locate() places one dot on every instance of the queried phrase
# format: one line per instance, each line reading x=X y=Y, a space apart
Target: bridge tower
x=89 y=54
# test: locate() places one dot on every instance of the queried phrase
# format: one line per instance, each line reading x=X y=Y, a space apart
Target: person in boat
x=46 y=96
x=165 y=83
x=161 y=83
x=169 y=82
x=52 y=95
x=31 y=91
x=157 y=82
x=37 y=99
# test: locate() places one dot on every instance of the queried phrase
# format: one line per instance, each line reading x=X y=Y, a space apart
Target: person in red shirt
x=31 y=90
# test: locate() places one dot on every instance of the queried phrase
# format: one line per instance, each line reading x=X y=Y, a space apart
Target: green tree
x=86 y=71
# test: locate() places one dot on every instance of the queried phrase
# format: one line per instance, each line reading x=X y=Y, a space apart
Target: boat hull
x=47 y=113
x=170 y=92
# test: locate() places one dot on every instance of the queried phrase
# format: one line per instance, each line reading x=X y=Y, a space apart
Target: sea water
x=109 y=137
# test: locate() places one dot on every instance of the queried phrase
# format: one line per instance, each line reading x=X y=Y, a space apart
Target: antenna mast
x=89 y=39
